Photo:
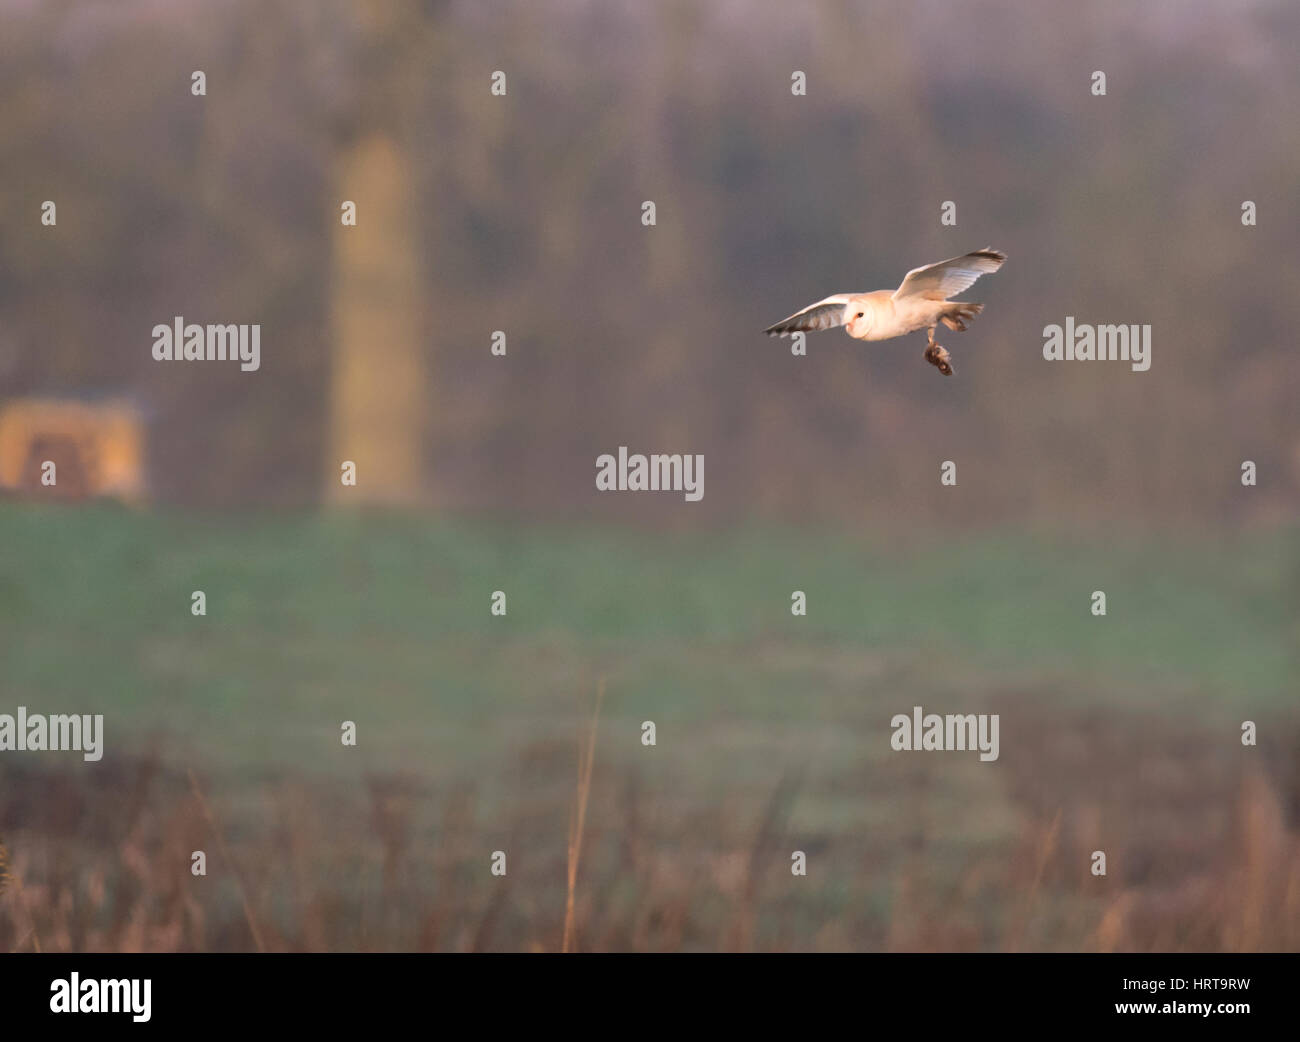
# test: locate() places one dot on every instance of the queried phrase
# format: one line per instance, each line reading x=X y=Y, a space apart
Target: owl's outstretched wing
x=825 y=314
x=948 y=278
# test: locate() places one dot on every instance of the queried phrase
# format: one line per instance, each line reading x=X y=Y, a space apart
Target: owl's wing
x=825 y=314
x=948 y=278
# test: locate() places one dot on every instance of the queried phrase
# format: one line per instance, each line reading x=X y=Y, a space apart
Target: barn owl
x=921 y=302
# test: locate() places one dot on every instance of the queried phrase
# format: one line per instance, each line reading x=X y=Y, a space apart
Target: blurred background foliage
x=522 y=213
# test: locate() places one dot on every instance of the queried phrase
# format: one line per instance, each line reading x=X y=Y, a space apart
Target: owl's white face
x=859 y=323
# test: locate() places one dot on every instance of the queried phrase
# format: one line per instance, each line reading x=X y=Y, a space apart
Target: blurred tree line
x=522 y=213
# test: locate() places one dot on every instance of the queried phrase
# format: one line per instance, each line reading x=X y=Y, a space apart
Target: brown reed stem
x=225 y=856
x=577 y=820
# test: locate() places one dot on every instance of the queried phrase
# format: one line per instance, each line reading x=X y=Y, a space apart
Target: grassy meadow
x=222 y=734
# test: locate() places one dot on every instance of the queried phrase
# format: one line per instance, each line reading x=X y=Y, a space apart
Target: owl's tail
x=959 y=314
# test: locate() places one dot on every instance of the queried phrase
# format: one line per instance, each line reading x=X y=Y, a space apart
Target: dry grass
x=10 y=883
x=578 y=819
x=1203 y=850
x=230 y=861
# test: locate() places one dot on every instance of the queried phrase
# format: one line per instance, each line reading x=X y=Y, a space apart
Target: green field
x=772 y=730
